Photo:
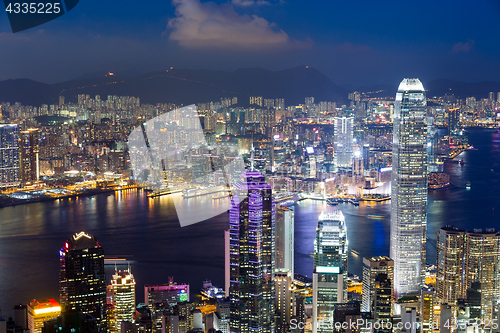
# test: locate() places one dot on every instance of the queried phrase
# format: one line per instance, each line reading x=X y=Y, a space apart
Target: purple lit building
x=252 y=247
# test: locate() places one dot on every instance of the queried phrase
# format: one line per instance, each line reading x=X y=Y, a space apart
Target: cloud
x=348 y=47
x=247 y=3
x=463 y=47
x=209 y=25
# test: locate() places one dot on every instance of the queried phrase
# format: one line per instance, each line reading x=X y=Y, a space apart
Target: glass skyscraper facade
x=450 y=264
x=372 y=268
x=82 y=281
x=252 y=248
x=409 y=188
x=343 y=127
x=9 y=156
x=330 y=266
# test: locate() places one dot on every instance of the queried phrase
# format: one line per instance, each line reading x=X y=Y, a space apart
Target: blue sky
x=353 y=42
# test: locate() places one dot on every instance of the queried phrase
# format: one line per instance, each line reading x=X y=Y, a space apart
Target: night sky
x=354 y=43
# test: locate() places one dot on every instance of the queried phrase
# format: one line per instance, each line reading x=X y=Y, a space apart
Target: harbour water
x=147 y=234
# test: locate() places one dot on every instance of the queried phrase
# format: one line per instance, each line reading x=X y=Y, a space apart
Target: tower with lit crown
x=252 y=247
x=330 y=267
x=121 y=297
x=409 y=188
x=82 y=281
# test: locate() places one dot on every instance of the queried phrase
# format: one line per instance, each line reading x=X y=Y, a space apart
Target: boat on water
x=467 y=185
x=376 y=217
x=332 y=202
x=355 y=202
x=462 y=162
x=355 y=252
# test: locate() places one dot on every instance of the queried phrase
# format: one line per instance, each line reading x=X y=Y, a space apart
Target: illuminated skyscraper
x=285 y=238
x=40 y=311
x=9 y=156
x=82 y=281
x=121 y=292
x=252 y=246
x=30 y=169
x=284 y=298
x=330 y=266
x=409 y=188
x=372 y=268
x=450 y=265
x=482 y=265
x=343 y=141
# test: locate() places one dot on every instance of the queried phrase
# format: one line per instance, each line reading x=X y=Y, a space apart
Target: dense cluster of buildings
x=371 y=148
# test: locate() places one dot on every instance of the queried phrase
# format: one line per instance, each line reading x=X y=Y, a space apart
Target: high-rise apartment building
x=41 y=311
x=330 y=266
x=450 y=265
x=409 y=188
x=372 y=268
x=252 y=248
x=121 y=297
x=285 y=238
x=343 y=127
x=9 y=156
x=82 y=281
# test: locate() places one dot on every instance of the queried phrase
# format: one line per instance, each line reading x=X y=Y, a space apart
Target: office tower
x=343 y=127
x=409 y=188
x=82 y=281
x=348 y=313
x=482 y=265
x=20 y=316
x=430 y=310
x=366 y=156
x=252 y=247
x=172 y=293
x=453 y=120
x=29 y=166
x=227 y=263
x=450 y=264
x=9 y=155
x=372 y=268
x=41 y=311
x=357 y=165
x=330 y=266
x=285 y=238
x=121 y=293
x=283 y=298
x=382 y=300
x=433 y=164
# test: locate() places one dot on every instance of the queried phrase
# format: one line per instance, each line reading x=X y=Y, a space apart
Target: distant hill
x=185 y=86
x=188 y=86
x=27 y=92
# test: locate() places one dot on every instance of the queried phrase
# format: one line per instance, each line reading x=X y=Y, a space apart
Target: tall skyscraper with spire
x=409 y=188
x=82 y=281
x=252 y=247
